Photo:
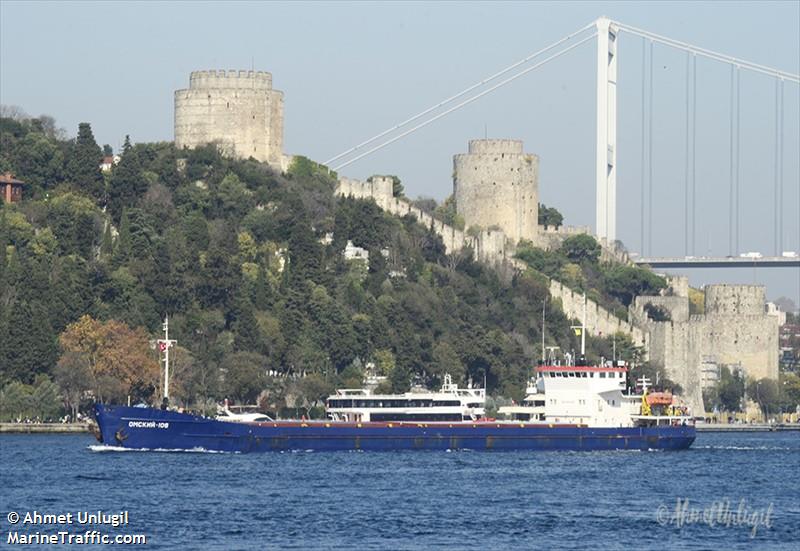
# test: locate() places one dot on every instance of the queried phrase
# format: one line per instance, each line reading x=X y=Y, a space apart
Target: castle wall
x=238 y=110
x=599 y=321
x=497 y=184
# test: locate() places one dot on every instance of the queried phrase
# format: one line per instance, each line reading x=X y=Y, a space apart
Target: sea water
x=729 y=491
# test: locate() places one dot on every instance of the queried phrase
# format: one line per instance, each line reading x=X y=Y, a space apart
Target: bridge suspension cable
x=642 y=178
x=780 y=173
x=741 y=63
x=650 y=162
x=694 y=153
x=730 y=179
x=462 y=93
x=466 y=102
x=686 y=167
x=738 y=157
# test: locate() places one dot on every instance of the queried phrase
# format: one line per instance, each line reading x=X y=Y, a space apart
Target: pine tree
x=31 y=343
x=262 y=292
x=127 y=183
x=245 y=328
x=83 y=164
x=122 y=250
x=107 y=245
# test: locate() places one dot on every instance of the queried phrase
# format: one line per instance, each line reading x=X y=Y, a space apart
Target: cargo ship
x=569 y=406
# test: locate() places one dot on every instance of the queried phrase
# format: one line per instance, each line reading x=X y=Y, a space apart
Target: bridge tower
x=606 y=160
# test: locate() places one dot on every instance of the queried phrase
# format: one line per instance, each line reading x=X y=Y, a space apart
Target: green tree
x=305 y=254
x=233 y=198
x=122 y=248
x=580 y=248
x=83 y=164
x=39 y=162
x=73 y=376
x=74 y=221
x=247 y=336
x=16 y=402
x=765 y=393
x=314 y=389
x=107 y=244
x=627 y=282
x=30 y=347
x=730 y=389
x=45 y=399
x=127 y=184
x=447 y=213
x=549 y=216
x=244 y=374
x=445 y=362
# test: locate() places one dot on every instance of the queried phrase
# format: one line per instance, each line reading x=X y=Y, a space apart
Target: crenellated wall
x=237 y=110
x=599 y=321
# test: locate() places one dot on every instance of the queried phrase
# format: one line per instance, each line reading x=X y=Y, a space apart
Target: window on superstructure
x=602 y=375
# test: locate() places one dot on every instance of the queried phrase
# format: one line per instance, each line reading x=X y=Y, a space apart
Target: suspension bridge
x=605 y=33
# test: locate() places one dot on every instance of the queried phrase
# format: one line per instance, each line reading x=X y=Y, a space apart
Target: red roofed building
x=10 y=188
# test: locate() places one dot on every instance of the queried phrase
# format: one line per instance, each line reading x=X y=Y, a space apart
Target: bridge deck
x=720 y=262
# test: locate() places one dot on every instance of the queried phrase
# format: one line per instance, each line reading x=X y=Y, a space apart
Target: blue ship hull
x=155 y=429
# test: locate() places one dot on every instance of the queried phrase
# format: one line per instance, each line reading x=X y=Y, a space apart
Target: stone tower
x=238 y=110
x=497 y=184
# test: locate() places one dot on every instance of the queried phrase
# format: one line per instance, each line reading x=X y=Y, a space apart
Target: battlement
x=735 y=300
x=495 y=146
x=566 y=230
x=230 y=79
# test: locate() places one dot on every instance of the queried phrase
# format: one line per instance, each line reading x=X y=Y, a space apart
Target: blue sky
x=351 y=70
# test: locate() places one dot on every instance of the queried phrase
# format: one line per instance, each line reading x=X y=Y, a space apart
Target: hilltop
x=251 y=267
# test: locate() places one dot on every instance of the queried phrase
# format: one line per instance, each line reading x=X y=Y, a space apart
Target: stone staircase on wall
x=491 y=247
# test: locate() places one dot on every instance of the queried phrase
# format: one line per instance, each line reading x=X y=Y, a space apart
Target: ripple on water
x=408 y=500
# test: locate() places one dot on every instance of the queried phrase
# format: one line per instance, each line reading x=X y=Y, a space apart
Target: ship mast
x=164 y=345
x=582 y=328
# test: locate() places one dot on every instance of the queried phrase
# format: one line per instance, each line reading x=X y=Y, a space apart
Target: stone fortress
x=735 y=330
x=496 y=188
x=237 y=110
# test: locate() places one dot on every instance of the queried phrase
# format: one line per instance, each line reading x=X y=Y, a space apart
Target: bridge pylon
x=606 y=153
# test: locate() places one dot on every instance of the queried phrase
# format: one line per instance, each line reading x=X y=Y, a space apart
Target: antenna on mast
x=582 y=328
x=544 y=305
x=164 y=345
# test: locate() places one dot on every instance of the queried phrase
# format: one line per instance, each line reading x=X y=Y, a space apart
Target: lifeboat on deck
x=659 y=399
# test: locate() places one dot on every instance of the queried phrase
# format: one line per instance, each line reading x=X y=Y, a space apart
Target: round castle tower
x=238 y=110
x=735 y=300
x=497 y=184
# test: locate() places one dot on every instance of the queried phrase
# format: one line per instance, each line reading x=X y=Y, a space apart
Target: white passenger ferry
x=450 y=403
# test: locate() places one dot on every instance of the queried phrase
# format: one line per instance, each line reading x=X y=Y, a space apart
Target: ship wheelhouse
x=450 y=403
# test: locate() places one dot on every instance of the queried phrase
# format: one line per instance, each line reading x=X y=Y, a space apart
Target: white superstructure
x=450 y=403
x=594 y=396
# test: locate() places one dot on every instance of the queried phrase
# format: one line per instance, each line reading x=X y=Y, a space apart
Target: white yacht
x=241 y=414
x=450 y=403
